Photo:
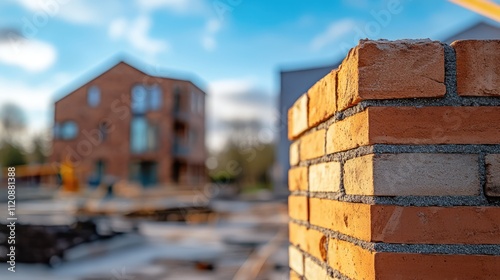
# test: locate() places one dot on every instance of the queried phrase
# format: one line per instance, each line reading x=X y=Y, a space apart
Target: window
x=194 y=97
x=155 y=98
x=143 y=136
x=93 y=96
x=200 y=104
x=144 y=99
x=139 y=101
x=177 y=98
x=68 y=130
x=103 y=130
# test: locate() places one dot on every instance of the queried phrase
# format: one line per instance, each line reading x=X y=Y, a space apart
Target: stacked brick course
x=396 y=165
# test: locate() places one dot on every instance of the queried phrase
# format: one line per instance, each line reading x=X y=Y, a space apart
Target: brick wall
x=396 y=165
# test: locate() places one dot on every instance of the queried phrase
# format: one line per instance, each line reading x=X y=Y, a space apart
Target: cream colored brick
x=296 y=260
x=294 y=153
x=325 y=177
x=412 y=174
x=297 y=119
x=314 y=271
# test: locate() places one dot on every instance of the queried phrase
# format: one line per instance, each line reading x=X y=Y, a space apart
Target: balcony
x=180 y=149
x=181 y=116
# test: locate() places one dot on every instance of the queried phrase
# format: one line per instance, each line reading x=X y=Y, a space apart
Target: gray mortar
x=439 y=249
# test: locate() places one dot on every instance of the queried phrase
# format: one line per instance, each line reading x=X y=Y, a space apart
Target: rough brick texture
x=394 y=189
x=312 y=145
x=325 y=177
x=322 y=99
x=297 y=118
x=297 y=179
x=384 y=70
x=493 y=175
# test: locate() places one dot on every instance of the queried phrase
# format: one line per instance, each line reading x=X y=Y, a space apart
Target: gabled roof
x=114 y=61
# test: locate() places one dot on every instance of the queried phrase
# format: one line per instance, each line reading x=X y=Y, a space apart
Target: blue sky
x=235 y=47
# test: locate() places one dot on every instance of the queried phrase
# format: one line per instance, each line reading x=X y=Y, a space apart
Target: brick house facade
x=133 y=126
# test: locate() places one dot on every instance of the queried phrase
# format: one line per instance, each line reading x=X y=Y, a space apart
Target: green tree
x=11 y=155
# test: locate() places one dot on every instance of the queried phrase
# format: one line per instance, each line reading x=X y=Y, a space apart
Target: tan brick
x=434 y=266
x=391 y=69
x=322 y=99
x=352 y=219
x=325 y=177
x=298 y=207
x=297 y=179
x=435 y=225
x=312 y=145
x=478 y=67
x=297 y=118
x=351 y=260
x=294 y=153
x=493 y=175
x=412 y=174
x=298 y=235
x=296 y=260
x=316 y=243
x=314 y=271
x=349 y=133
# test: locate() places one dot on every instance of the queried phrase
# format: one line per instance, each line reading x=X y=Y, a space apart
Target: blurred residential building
x=294 y=83
x=130 y=125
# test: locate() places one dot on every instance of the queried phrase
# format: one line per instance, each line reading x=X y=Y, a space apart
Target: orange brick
x=412 y=225
x=351 y=260
x=434 y=266
x=349 y=133
x=417 y=174
x=297 y=179
x=478 y=67
x=294 y=275
x=416 y=126
x=298 y=207
x=298 y=235
x=312 y=145
x=297 y=118
x=391 y=69
x=435 y=225
x=493 y=175
x=348 y=218
x=322 y=99
x=325 y=177
x=435 y=125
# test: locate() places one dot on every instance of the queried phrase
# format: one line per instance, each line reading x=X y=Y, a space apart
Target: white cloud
x=208 y=39
x=333 y=33
x=177 y=6
x=136 y=34
x=236 y=99
x=36 y=101
x=31 y=55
